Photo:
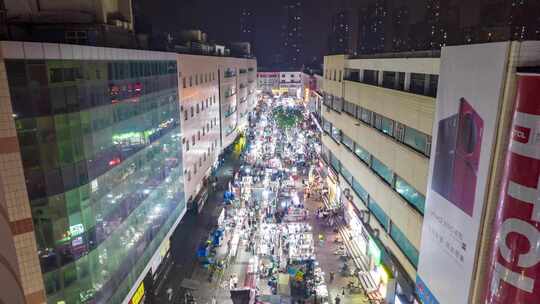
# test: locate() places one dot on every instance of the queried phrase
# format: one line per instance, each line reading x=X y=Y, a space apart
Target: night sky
x=220 y=19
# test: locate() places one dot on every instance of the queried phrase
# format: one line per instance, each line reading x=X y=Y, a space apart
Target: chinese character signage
x=514 y=274
x=468 y=99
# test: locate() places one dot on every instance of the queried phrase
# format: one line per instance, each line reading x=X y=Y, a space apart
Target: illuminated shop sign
x=76 y=229
x=130 y=92
x=138 y=295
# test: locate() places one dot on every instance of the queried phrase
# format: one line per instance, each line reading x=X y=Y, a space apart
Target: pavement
x=328 y=261
x=190 y=232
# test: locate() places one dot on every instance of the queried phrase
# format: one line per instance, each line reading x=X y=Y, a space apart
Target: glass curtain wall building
x=100 y=144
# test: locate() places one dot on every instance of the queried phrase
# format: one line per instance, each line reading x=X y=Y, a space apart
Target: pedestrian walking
x=231 y=283
x=169 y=293
x=214 y=301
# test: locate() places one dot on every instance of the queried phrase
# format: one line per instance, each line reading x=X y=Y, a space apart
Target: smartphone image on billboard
x=457 y=157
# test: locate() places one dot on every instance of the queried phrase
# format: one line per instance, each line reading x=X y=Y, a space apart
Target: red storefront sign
x=514 y=274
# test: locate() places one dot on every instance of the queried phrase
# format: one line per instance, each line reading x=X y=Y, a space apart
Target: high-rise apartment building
x=372 y=21
x=292 y=33
x=397 y=25
x=339 y=40
x=247 y=27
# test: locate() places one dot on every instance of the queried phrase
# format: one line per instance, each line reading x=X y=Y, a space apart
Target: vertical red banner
x=514 y=274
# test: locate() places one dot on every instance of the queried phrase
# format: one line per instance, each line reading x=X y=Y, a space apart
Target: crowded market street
x=277 y=238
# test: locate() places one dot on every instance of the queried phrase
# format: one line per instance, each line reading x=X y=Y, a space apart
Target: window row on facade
x=398 y=184
x=199 y=107
x=195 y=138
x=399 y=132
x=60 y=152
x=33 y=94
x=191 y=80
x=418 y=83
x=202 y=160
x=399 y=238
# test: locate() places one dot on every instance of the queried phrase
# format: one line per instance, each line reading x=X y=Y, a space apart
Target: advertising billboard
x=514 y=273
x=468 y=99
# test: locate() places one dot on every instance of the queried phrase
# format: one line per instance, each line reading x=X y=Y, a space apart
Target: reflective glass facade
x=101 y=150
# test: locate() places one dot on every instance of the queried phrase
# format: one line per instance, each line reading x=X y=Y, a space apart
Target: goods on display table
x=299 y=241
x=265 y=207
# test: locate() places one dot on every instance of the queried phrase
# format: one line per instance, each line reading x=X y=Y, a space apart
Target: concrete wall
x=191 y=96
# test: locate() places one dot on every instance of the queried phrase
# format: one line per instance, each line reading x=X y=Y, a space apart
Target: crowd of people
x=265 y=212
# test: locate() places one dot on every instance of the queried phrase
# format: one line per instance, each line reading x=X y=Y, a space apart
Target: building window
x=339 y=78
x=371 y=77
x=433 y=83
x=336 y=164
x=184 y=82
x=185 y=115
x=404 y=244
x=197 y=108
x=347 y=141
x=416 y=140
x=365 y=116
x=410 y=194
x=193 y=140
x=382 y=170
x=327 y=126
x=360 y=191
x=190 y=81
x=379 y=213
x=337 y=104
x=336 y=134
x=198 y=135
x=363 y=154
x=347 y=175
x=76 y=37
x=384 y=124
x=401 y=81
x=389 y=80
x=349 y=108
x=191 y=111
x=417 y=85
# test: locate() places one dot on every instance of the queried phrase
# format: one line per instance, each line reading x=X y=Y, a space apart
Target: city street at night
x=269 y=152
x=275 y=238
